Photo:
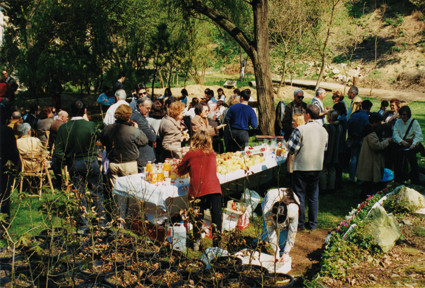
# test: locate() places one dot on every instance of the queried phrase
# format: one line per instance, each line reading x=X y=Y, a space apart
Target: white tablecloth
x=164 y=193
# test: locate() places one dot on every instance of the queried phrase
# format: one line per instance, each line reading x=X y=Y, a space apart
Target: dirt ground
x=307 y=251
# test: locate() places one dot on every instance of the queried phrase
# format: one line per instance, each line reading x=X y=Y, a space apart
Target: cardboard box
x=230 y=219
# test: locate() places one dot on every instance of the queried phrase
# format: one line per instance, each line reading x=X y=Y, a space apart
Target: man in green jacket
x=76 y=148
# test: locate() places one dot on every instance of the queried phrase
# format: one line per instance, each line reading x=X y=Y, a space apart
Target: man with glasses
x=294 y=113
x=146 y=152
x=140 y=93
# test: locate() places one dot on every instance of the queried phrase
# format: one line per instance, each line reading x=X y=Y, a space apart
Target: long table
x=166 y=198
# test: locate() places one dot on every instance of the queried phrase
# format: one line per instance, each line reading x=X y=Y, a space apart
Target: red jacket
x=202 y=168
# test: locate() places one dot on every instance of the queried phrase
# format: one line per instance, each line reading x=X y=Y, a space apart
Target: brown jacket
x=171 y=136
x=371 y=162
x=198 y=123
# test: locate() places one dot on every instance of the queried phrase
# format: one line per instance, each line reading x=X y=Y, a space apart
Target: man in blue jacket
x=240 y=117
x=357 y=122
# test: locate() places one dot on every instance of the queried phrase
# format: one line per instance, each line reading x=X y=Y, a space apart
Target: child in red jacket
x=200 y=163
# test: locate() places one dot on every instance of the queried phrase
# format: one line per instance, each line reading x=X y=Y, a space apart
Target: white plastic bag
x=251 y=197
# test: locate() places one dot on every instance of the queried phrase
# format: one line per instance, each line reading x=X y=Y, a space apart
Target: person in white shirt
x=280 y=216
x=121 y=95
x=318 y=101
x=408 y=135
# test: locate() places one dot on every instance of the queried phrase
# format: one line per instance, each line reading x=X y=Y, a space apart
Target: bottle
x=167 y=168
x=148 y=169
x=153 y=175
x=160 y=173
x=178 y=237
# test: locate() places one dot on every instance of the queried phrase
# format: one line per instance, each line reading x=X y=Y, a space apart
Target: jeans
x=238 y=139
x=212 y=202
x=283 y=237
x=355 y=152
x=85 y=174
x=306 y=184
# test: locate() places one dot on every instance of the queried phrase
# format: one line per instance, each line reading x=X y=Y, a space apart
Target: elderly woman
x=122 y=142
x=371 y=164
x=408 y=135
x=200 y=121
x=390 y=117
x=172 y=132
x=337 y=97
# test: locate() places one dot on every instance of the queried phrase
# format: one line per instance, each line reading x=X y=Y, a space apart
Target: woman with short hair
x=172 y=132
x=408 y=135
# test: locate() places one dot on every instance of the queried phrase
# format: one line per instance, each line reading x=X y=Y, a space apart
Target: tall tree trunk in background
x=257 y=50
x=261 y=61
x=325 y=44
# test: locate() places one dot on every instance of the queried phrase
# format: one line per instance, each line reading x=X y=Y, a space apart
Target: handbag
x=419 y=148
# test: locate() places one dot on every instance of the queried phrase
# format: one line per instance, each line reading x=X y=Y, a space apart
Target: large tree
x=256 y=46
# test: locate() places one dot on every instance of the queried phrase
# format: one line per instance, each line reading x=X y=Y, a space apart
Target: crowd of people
x=137 y=128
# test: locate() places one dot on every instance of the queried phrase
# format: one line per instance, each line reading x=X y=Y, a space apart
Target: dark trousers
x=238 y=139
x=306 y=185
x=6 y=183
x=212 y=202
x=401 y=167
x=86 y=174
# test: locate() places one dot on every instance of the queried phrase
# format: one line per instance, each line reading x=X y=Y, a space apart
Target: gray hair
x=355 y=90
x=120 y=94
x=141 y=101
x=16 y=115
x=298 y=91
x=23 y=129
x=320 y=91
x=62 y=113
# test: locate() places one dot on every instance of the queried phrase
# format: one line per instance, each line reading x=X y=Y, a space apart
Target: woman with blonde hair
x=200 y=163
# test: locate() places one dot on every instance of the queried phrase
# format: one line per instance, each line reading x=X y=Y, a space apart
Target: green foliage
x=396 y=21
x=393 y=205
x=356 y=9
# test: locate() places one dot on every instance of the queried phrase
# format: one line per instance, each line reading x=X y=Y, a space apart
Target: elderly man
x=294 y=113
x=122 y=142
x=356 y=101
x=121 y=95
x=307 y=146
x=146 y=152
x=320 y=95
x=57 y=170
x=16 y=118
x=76 y=147
x=29 y=147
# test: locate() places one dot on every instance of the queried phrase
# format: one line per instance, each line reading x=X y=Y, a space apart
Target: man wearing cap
x=294 y=113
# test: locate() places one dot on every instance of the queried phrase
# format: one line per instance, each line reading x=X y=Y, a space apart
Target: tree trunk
x=261 y=61
x=257 y=50
x=325 y=44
